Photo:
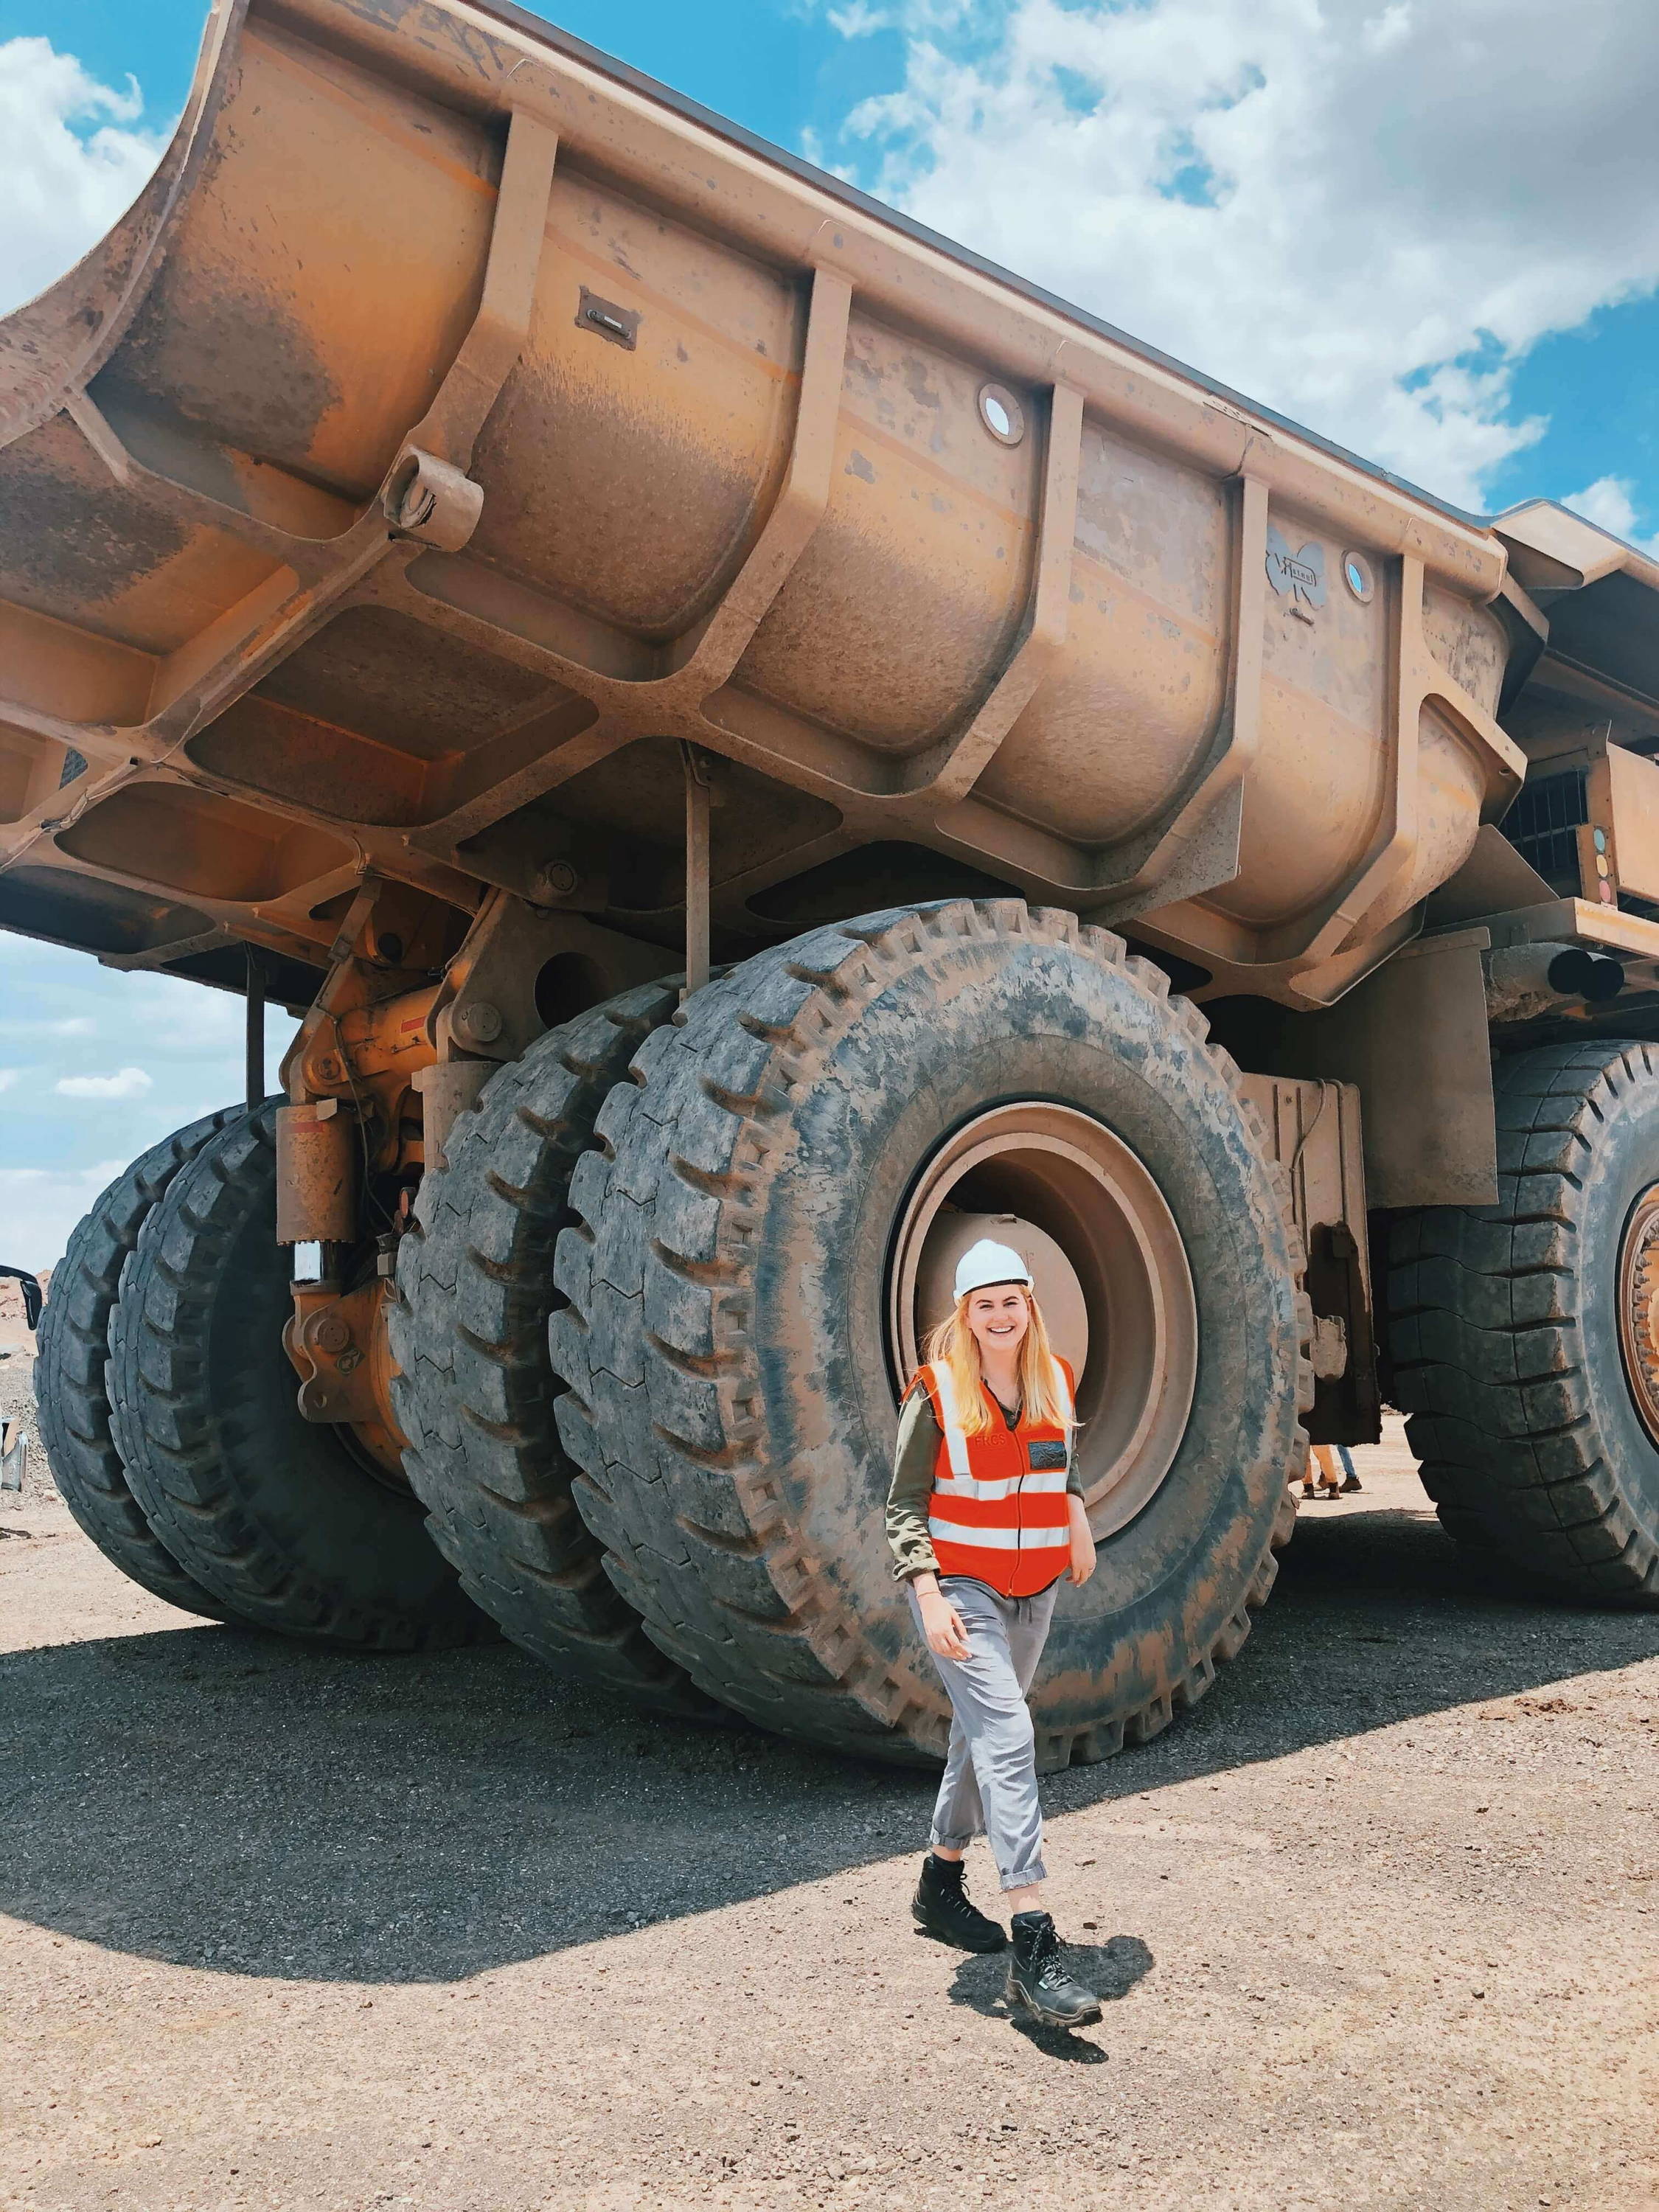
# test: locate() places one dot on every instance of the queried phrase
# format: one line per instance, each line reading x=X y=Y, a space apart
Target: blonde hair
x=953 y=1345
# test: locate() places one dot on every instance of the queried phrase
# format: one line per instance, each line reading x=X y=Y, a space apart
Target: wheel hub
x=1107 y=1265
x=1638 y=1307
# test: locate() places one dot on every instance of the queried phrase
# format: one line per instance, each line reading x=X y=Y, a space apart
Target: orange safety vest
x=998 y=1509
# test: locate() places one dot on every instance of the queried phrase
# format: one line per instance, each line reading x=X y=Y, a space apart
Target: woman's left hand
x=1083 y=1544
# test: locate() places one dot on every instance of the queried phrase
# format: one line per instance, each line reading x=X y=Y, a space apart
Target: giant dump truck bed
x=459 y=422
x=479 y=526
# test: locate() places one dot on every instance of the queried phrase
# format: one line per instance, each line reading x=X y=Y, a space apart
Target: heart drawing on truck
x=1299 y=577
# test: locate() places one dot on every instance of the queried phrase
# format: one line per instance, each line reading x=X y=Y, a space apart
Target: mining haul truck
x=758 y=746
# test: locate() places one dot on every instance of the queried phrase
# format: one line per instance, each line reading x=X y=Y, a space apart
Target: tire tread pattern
x=662 y=1412
x=182 y=1428
x=476 y=1393
x=70 y=1387
x=1484 y=1330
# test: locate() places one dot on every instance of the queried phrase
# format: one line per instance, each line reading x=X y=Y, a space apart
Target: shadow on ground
x=217 y=1799
x=1109 y=1969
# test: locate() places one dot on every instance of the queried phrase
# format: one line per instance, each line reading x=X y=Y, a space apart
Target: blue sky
x=95 y=1069
x=778 y=69
x=1597 y=387
x=1428 y=228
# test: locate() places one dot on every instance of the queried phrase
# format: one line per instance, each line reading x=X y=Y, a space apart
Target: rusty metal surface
x=338 y=1345
x=1627 y=934
x=446 y=1089
x=317 y=1157
x=1564 y=969
x=1412 y=1039
x=1314 y=1131
x=455 y=414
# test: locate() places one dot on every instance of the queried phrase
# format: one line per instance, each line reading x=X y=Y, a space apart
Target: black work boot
x=1037 y=1980
x=940 y=1907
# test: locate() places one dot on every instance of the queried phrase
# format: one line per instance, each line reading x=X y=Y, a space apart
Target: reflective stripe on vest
x=993 y=1515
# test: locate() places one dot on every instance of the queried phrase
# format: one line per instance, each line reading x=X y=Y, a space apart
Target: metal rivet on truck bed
x=619 y=325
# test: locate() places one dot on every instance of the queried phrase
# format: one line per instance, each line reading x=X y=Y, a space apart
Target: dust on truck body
x=760 y=746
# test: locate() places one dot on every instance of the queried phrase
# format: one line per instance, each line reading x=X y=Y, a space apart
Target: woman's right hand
x=941 y=1623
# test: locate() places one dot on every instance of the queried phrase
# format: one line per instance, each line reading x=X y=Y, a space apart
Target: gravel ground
x=1377 y=1926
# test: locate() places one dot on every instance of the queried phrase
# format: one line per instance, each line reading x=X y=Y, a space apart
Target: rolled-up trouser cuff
x=936 y=1841
x=1025 y=1876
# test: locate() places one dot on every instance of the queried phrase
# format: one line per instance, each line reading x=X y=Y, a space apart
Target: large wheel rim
x=1638 y=1307
x=1109 y=1242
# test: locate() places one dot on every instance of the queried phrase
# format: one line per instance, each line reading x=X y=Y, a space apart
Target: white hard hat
x=985 y=1263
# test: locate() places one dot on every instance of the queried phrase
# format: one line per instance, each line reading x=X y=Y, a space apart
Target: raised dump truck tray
x=482 y=532
x=455 y=423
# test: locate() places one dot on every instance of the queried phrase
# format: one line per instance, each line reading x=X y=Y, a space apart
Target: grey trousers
x=990 y=1768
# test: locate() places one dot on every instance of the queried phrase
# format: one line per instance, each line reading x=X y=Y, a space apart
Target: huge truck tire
x=1525 y=1336
x=70 y=1390
x=476 y=1392
x=772 y=1186
x=276 y=1516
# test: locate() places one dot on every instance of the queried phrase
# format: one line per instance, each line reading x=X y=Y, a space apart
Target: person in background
x=1321 y=1478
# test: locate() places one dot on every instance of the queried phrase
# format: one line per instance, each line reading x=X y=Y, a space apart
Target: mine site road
x=1377 y=1926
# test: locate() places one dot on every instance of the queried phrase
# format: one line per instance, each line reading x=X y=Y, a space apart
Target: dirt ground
x=1377 y=1926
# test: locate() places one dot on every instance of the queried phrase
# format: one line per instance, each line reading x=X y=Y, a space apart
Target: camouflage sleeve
x=914 y=1458
x=1073 y=1479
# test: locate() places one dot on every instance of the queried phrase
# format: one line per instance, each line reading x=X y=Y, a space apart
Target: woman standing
x=984 y=1517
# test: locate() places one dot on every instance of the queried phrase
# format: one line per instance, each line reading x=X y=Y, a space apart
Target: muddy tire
x=71 y=1389
x=272 y=1515
x=476 y=1394
x=732 y=1401
x=1529 y=1409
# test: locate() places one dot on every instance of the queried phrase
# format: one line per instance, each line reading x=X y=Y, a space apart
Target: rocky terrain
x=1377 y=1926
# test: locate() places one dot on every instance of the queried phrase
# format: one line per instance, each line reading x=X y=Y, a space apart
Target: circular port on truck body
x=1001 y=414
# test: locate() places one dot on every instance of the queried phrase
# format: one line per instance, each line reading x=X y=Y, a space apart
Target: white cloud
x=1610 y=504
x=188 y=1040
x=73 y=157
x=126 y=1083
x=9 y=1075
x=182 y=1022
x=858 y=21
x=70 y=1025
x=1391 y=28
x=1363 y=215
x=38 y=1206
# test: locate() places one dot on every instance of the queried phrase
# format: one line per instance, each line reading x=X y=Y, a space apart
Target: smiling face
x=999 y=1316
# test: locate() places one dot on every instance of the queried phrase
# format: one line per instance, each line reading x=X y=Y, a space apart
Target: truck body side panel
x=732 y=460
